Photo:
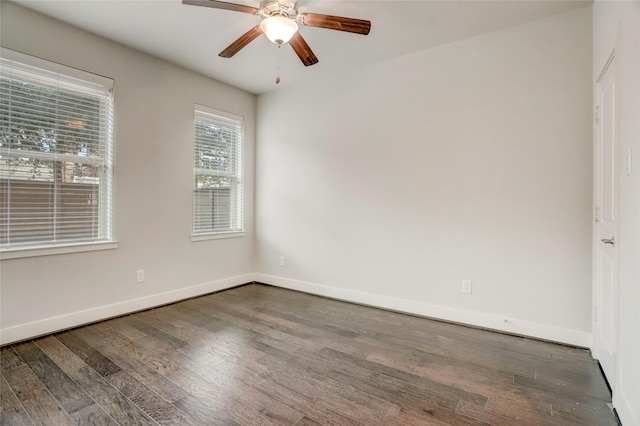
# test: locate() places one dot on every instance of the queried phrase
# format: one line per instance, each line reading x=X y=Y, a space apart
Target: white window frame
x=236 y=208
x=24 y=67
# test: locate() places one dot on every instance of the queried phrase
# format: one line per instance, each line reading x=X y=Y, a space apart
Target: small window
x=56 y=143
x=218 y=177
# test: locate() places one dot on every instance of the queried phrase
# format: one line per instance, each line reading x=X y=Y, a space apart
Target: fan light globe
x=279 y=29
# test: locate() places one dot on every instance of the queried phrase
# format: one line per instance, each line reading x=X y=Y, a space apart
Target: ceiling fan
x=280 y=19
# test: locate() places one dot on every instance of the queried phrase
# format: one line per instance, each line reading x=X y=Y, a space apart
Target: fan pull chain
x=278 y=65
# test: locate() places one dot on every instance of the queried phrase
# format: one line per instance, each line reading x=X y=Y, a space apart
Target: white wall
x=469 y=161
x=616 y=26
x=154 y=104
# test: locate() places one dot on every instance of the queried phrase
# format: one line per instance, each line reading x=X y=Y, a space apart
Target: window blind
x=218 y=175
x=56 y=153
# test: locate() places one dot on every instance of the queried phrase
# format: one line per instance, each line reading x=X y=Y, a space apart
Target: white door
x=607 y=225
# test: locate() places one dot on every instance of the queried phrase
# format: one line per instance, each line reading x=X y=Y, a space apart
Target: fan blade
x=350 y=25
x=303 y=50
x=241 y=42
x=222 y=5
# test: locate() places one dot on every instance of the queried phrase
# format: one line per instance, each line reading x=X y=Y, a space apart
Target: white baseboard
x=74 y=319
x=477 y=319
x=627 y=412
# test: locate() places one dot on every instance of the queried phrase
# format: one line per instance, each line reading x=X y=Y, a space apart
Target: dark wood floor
x=258 y=355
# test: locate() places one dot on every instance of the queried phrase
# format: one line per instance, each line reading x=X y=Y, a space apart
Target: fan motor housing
x=280 y=7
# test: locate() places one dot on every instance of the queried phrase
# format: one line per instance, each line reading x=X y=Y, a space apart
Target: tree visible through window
x=218 y=186
x=55 y=157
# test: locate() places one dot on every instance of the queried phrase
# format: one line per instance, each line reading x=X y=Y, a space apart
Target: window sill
x=34 y=251
x=218 y=235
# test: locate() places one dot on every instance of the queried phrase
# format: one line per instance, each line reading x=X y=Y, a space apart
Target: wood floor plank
x=227 y=407
x=64 y=357
x=151 y=332
x=314 y=386
x=305 y=421
x=317 y=334
x=227 y=344
x=231 y=357
x=207 y=410
x=401 y=381
x=562 y=387
x=40 y=405
x=363 y=395
x=71 y=396
x=336 y=395
x=563 y=406
x=12 y=411
x=151 y=403
x=259 y=402
x=485 y=381
x=93 y=415
x=447 y=371
x=142 y=372
x=93 y=358
x=480 y=412
x=9 y=359
x=136 y=358
x=113 y=402
x=581 y=413
x=198 y=318
x=210 y=384
x=246 y=321
x=163 y=387
x=158 y=348
x=286 y=389
x=523 y=409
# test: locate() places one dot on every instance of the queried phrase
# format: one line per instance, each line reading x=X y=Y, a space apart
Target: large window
x=56 y=126
x=218 y=185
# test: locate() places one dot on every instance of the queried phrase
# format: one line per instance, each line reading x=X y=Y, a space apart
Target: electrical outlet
x=283 y=261
x=140 y=275
x=466 y=286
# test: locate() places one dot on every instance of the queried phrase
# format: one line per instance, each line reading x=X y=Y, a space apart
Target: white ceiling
x=193 y=36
